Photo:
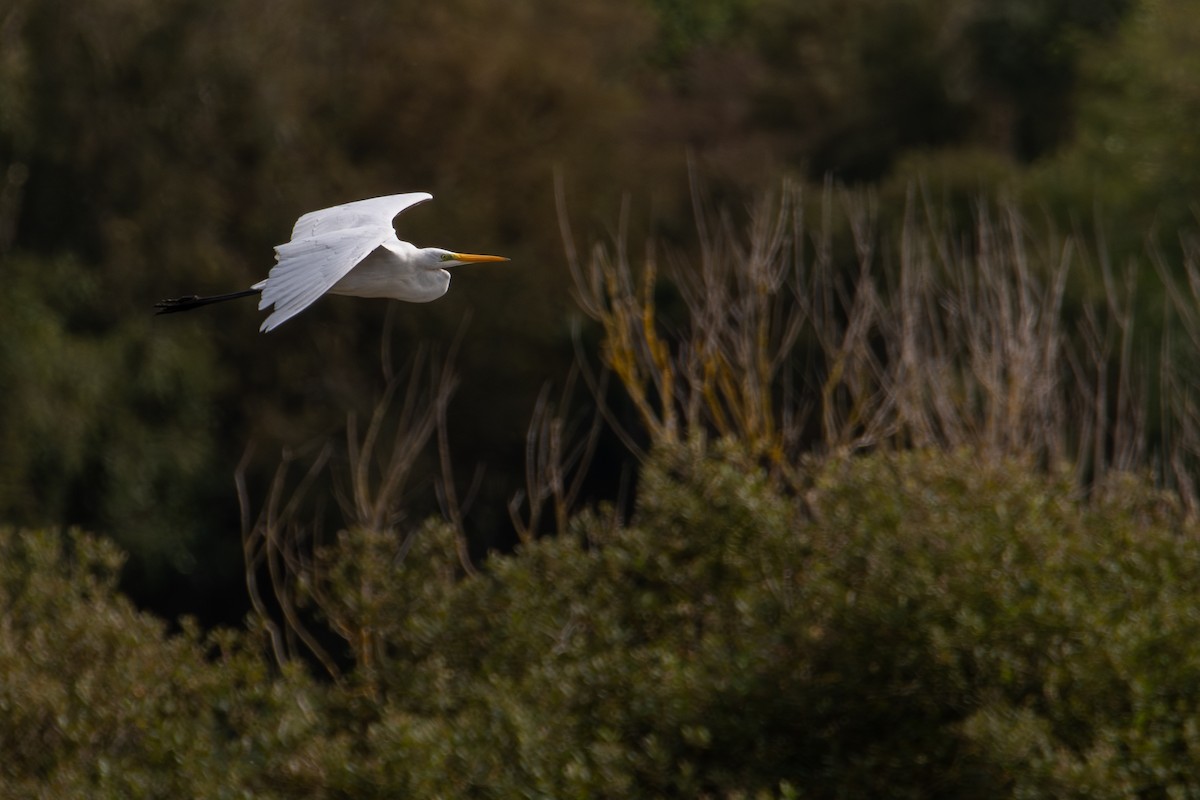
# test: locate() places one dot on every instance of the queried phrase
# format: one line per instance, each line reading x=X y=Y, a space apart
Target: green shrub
x=904 y=625
x=99 y=701
x=920 y=625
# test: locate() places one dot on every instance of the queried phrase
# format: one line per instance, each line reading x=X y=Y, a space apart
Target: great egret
x=350 y=249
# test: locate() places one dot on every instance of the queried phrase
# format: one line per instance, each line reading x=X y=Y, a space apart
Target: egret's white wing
x=360 y=213
x=309 y=267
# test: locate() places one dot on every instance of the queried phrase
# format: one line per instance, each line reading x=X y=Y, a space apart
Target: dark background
x=151 y=149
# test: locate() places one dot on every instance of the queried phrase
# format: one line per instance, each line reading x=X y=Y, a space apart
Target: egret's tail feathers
x=195 y=301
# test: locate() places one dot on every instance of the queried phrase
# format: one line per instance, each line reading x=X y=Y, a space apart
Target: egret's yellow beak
x=470 y=258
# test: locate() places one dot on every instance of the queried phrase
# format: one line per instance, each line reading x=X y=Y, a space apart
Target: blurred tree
x=859 y=84
x=1135 y=154
x=686 y=26
x=112 y=427
x=847 y=88
x=1025 y=55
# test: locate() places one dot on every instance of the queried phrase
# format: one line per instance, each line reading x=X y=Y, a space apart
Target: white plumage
x=351 y=249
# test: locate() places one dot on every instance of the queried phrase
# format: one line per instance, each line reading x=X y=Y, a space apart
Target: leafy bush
x=916 y=625
x=99 y=701
x=910 y=625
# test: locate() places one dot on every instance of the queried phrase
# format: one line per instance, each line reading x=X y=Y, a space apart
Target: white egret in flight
x=350 y=249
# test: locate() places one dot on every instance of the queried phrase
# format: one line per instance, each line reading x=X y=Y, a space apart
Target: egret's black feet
x=195 y=301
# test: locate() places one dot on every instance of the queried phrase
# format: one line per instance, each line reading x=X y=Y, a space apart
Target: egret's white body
x=351 y=249
x=378 y=275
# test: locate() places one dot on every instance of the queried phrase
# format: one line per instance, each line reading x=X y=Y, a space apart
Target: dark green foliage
x=1126 y=123
x=1030 y=619
x=98 y=701
x=102 y=422
x=903 y=634
x=916 y=625
x=1028 y=52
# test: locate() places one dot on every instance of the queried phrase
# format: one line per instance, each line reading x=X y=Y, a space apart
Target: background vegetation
x=873 y=471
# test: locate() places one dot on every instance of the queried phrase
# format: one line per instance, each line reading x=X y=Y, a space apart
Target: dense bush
x=914 y=625
x=98 y=700
x=917 y=625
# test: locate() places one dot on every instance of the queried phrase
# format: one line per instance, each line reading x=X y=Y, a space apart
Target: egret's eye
x=447 y=256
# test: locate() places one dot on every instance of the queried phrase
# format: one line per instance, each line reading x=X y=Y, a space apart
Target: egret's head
x=445 y=258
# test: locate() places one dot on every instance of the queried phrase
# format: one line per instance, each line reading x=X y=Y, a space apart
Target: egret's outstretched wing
x=309 y=267
x=361 y=213
x=325 y=245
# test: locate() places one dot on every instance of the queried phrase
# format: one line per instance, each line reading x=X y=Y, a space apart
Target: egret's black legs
x=195 y=301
